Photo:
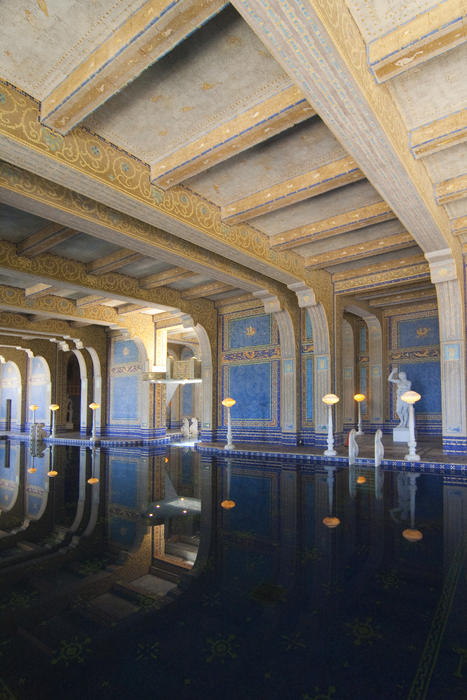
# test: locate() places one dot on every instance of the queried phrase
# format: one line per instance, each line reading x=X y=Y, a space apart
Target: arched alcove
x=39 y=390
x=73 y=393
x=321 y=369
x=10 y=397
x=348 y=377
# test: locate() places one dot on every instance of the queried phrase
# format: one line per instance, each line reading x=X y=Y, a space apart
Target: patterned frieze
x=96 y=168
x=415 y=267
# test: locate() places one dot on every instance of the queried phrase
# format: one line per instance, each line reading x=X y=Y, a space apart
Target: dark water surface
x=311 y=587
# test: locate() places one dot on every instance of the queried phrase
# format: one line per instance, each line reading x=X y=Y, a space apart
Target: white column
x=348 y=378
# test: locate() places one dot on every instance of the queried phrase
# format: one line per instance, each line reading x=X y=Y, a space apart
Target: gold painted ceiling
x=180 y=147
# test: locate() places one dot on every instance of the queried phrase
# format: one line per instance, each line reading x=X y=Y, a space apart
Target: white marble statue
x=185 y=429
x=194 y=429
x=379 y=448
x=353 y=447
x=403 y=384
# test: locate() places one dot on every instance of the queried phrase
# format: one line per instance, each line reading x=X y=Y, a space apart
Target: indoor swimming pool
x=132 y=573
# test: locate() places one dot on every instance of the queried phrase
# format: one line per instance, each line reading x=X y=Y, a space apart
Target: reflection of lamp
x=228 y=403
x=53 y=407
x=52 y=471
x=33 y=407
x=94 y=406
x=411 y=397
x=93 y=479
x=330 y=400
x=359 y=398
x=330 y=520
x=228 y=504
x=361 y=479
x=412 y=534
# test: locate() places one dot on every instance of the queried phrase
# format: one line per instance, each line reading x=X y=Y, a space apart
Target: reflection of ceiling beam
x=91 y=300
x=242 y=131
x=142 y=39
x=112 y=262
x=427 y=35
x=439 y=134
x=174 y=274
x=452 y=189
x=359 y=250
x=45 y=239
x=206 y=290
x=36 y=291
x=327 y=177
x=342 y=223
x=408 y=297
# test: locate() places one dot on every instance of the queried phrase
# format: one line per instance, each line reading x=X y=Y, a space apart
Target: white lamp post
x=94 y=406
x=53 y=407
x=228 y=403
x=33 y=408
x=359 y=398
x=330 y=400
x=411 y=397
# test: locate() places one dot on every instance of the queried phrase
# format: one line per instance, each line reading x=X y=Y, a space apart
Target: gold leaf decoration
x=42 y=5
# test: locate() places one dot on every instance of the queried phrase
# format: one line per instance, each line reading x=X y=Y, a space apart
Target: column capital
x=305 y=295
x=271 y=303
x=442 y=265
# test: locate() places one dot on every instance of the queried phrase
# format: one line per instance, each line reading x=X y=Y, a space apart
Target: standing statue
x=379 y=448
x=185 y=429
x=353 y=447
x=194 y=429
x=403 y=385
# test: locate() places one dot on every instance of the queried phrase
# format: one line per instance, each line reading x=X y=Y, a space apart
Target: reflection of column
x=452 y=348
x=289 y=526
x=206 y=526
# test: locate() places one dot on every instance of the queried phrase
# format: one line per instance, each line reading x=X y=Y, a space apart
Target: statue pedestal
x=400 y=435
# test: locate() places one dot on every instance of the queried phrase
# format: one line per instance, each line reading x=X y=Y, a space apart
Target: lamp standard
x=359 y=398
x=228 y=403
x=94 y=406
x=411 y=397
x=330 y=400
x=53 y=407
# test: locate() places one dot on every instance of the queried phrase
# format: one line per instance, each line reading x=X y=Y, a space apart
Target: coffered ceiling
x=349 y=167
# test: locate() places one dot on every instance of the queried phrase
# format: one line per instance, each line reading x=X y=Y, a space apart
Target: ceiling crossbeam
x=452 y=189
x=149 y=33
x=112 y=262
x=335 y=225
x=174 y=274
x=317 y=181
x=225 y=140
x=428 y=34
x=206 y=290
x=49 y=236
x=439 y=134
x=359 y=250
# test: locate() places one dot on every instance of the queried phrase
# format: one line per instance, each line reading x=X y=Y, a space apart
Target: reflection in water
x=146 y=569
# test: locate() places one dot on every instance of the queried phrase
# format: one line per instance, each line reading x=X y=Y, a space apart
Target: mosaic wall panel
x=125 y=383
x=414 y=349
x=307 y=368
x=249 y=369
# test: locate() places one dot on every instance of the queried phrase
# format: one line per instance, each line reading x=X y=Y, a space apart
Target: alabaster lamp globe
x=94 y=406
x=359 y=397
x=228 y=402
x=410 y=397
x=330 y=399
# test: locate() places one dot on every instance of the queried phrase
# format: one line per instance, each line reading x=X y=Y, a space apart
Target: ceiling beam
x=459 y=225
x=149 y=33
x=225 y=140
x=158 y=279
x=439 y=134
x=452 y=189
x=335 y=225
x=206 y=290
x=429 y=34
x=129 y=309
x=36 y=291
x=408 y=297
x=91 y=300
x=404 y=270
x=389 y=292
x=49 y=236
x=112 y=262
x=328 y=63
x=364 y=249
x=317 y=181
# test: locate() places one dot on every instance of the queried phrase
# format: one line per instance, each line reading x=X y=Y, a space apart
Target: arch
x=11 y=390
x=39 y=390
x=207 y=382
x=96 y=388
x=348 y=378
x=375 y=351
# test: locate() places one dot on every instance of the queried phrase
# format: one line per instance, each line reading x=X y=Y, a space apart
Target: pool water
x=181 y=576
